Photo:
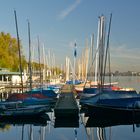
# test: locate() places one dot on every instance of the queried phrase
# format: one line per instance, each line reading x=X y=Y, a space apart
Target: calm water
x=52 y=130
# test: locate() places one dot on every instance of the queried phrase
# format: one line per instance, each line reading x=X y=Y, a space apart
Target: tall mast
x=101 y=49
x=30 y=66
x=19 y=50
x=91 y=54
x=97 y=54
x=107 y=51
x=44 y=63
x=92 y=45
x=39 y=62
x=86 y=60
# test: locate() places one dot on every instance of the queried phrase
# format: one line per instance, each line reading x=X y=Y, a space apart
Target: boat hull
x=107 y=111
x=23 y=112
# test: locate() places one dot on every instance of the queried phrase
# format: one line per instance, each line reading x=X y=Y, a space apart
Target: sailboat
x=17 y=110
x=108 y=101
x=23 y=107
x=34 y=97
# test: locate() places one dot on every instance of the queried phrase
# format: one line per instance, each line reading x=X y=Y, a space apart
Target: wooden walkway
x=66 y=106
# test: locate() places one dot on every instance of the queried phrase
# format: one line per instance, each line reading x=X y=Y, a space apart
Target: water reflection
x=38 y=128
x=103 y=127
x=26 y=124
x=51 y=128
x=67 y=122
x=114 y=121
x=39 y=121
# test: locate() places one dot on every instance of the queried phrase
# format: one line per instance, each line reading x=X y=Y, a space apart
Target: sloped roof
x=9 y=73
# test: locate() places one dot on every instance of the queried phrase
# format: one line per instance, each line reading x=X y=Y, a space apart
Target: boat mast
x=39 y=62
x=30 y=66
x=102 y=45
x=91 y=55
x=92 y=45
x=97 y=54
x=44 y=63
x=101 y=51
x=19 y=52
x=86 y=60
x=107 y=51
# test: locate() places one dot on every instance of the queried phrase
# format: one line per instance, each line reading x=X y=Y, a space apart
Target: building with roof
x=11 y=77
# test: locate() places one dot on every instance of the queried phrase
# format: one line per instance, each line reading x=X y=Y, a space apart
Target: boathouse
x=11 y=77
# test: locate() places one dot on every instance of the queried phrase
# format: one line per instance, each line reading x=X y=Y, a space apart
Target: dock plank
x=66 y=105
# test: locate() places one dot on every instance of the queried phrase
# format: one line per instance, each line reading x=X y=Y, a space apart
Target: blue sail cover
x=120 y=103
x=70 y=82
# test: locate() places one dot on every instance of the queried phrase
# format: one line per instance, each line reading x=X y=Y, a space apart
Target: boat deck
x=66 y=106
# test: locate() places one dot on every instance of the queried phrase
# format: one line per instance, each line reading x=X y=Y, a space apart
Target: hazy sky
x=59 y=23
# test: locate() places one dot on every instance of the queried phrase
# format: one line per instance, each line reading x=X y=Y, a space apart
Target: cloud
x=124 y=58
x=123 y=51
x=70 y=9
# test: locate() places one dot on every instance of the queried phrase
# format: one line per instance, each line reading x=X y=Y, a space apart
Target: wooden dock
x=66 y=106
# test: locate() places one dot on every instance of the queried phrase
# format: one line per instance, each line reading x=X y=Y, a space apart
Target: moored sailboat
x=106 y=100
x=16 y=109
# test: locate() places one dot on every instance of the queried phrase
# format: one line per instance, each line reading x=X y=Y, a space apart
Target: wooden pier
x=66 y=106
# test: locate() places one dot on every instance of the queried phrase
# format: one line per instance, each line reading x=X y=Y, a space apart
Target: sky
x=60 y=23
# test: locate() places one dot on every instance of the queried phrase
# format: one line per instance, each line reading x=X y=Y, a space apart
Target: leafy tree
x=9 y=53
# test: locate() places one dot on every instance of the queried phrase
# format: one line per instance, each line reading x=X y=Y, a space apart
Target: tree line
x=9 y=54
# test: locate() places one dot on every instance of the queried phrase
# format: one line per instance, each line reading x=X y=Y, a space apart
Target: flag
x=75 y=51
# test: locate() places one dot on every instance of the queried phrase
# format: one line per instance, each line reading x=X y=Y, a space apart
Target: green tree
x=9 y=53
